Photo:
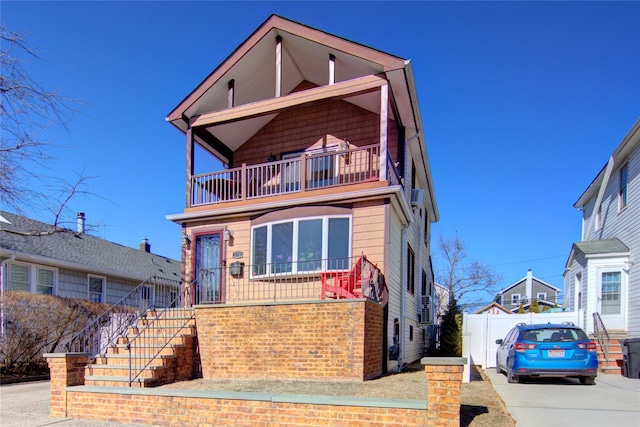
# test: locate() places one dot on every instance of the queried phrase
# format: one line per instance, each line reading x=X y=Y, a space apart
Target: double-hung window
x=97 y=288
x=301 y=245
x=31 y=278
x=515 y=299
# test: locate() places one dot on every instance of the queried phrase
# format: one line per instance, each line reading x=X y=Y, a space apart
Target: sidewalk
x=27 y=405
x=564 y=402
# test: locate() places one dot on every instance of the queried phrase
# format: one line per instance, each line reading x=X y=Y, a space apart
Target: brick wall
x=444 y=388
x=314 y=340
x=165 y=407
x=196 y=408
x=65 y=369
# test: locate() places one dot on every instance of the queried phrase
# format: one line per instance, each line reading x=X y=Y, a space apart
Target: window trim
x=623 y=186
x=103 y=297
x=32 y=279
x=544 y=298
x=294 y=248
x=411 y=270
x=516 y=302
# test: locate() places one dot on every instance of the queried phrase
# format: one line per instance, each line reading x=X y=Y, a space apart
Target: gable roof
x=524 y=280
x=610 y=247
x=305 y=58
x=630 y=143
x=66 y=248
x=492 y=305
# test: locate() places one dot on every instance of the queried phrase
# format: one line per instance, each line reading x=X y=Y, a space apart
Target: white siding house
x=602 y=273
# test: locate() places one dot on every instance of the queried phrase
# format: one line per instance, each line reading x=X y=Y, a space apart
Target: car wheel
x=587 y=380
x=512 y=379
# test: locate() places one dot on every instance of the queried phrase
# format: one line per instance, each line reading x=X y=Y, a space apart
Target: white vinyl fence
x=480 y=331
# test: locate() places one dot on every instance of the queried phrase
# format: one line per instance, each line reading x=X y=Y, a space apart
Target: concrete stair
x=159 y=340
x=614 y=365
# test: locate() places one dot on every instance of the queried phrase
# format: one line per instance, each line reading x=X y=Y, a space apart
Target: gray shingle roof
x=606 y=246
x=68 y=248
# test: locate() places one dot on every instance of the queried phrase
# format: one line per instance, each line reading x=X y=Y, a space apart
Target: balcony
x=317 y=279
x=304 y=173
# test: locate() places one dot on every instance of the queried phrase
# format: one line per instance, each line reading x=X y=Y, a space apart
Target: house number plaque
x=237 y=254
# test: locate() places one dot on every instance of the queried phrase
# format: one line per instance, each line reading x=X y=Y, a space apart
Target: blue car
x=547 y=350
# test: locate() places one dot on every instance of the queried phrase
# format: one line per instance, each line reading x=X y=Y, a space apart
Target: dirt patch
x=481 y=405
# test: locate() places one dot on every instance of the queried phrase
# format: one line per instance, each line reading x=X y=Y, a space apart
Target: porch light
x=186 y=241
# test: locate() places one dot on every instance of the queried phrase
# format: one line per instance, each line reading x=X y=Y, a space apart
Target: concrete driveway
x=613 y=401
x=27 y=405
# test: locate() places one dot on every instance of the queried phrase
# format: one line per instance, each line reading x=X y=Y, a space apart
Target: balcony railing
x=349 y=277
x=304 y=173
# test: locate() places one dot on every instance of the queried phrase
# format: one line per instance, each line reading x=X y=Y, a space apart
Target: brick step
x=149 y=338
x=120 y=359
x=120 y=371
x=119 y=382
x=610 y=370
x=602 y=363
x=143 y=349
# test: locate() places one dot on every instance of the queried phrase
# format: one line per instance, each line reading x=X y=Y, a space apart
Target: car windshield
x=554 y=335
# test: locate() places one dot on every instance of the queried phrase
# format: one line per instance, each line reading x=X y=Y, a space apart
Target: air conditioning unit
x=425 y=310
x=417 y=198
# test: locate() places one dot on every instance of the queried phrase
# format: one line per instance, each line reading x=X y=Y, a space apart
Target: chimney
x=145 y=246
x=529 y=285
x=80 y=222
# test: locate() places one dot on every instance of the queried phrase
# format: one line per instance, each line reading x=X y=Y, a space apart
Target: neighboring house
x=36 y=257
x=525 y=290
x=442 y=294
x=325 y=162
x=493 y=308
x=602 y=272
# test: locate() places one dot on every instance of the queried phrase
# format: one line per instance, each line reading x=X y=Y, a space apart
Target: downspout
x=3 y=266
x=603 y=187
x=403 y=280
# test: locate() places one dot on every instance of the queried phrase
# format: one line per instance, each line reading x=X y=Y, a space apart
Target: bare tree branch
x=470 y=282
x=28 y=113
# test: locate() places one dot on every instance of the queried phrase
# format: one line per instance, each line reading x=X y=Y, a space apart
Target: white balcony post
x=189 y=167
x=384 y=118
x=278 y=66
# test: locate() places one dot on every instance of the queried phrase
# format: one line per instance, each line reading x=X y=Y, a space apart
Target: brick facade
x=65 y=369
x=444 y=382
x=166 y=407
x=326 y=340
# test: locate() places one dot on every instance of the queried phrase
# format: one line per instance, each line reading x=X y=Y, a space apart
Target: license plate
x=556 y=353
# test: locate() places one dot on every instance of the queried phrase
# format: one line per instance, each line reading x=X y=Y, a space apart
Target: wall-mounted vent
x=417 y=198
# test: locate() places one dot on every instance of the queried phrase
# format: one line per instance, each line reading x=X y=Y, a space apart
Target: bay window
x=301 y=245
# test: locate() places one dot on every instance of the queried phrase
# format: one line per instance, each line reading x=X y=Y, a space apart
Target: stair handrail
x=100 y=333
x=182 y=300
x=601 y=333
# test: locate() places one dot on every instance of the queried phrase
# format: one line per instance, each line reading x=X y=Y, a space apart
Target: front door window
x=610 y=296
x=208 y=271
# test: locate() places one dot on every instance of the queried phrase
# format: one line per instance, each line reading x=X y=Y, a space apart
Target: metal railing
x=98 y=335
x=156 y=331
x=351 y=277
x=602 y=336
x=307 y=172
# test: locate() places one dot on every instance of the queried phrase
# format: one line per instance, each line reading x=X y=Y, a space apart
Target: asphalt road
x=614 y=401
x=27 y=405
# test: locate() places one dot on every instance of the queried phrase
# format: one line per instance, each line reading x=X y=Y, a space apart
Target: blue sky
x=522 y=103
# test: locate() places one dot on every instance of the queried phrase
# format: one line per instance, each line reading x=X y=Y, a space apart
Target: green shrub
x=35 y=324
x=534 y=307
x=521 y=309
x=451 y=331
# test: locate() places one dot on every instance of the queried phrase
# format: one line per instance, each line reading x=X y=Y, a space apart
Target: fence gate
x=482 y=330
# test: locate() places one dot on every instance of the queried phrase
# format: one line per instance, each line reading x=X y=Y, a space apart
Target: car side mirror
x=499 y=342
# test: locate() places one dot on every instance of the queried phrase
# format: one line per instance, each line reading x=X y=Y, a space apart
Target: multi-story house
x=324 y=189
x=525 y=290
x=602 y=273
